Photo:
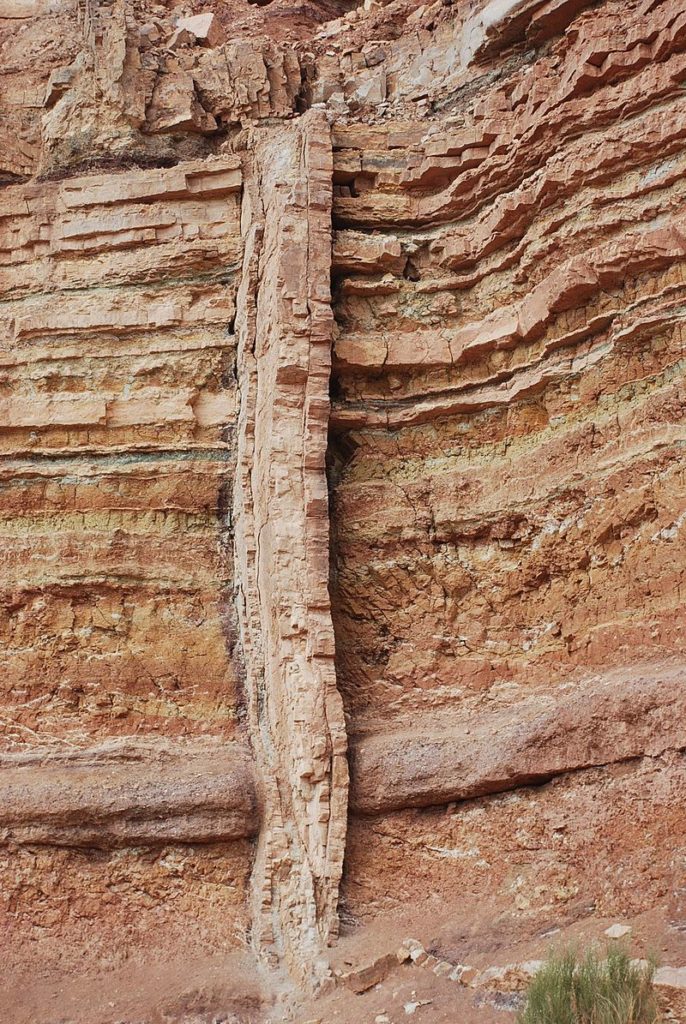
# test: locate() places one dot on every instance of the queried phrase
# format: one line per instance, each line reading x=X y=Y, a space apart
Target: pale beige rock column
x=296 y=717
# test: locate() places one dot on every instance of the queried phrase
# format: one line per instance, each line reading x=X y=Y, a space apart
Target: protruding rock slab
x=128 y=794
x=205 y=27
x=596 y=723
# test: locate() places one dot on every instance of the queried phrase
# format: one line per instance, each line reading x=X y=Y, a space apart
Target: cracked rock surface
x=342 y=500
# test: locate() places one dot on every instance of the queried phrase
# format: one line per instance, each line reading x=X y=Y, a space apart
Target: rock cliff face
x=343 y=493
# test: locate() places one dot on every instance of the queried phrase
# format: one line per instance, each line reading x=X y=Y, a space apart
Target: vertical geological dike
x=284 y=324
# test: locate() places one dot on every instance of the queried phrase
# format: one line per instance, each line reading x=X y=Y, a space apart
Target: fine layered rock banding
x=341 y=432
x=118 y=293
x=506 y=453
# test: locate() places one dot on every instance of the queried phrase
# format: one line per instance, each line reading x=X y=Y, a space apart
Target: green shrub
x=592 y=990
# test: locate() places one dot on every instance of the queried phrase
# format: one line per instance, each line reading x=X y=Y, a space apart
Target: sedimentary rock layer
x=117 y=298
x=128 y=794
x=508 y=426
x=461 y=277
x=63 y=908
x=597 y=722
x=281 y=543
x=127 y=805
x=528 y=858
x=506 y=461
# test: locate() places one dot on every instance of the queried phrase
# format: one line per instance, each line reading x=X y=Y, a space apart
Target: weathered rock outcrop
x=341 y=431
x=540 y=737
x=128 y=794
x=282 y=540
x=116 y=576
x=116 y=299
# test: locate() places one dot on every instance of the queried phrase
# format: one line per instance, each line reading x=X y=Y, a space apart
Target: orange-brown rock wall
x=67 y=910
x=509 y=415
x=121 y=691
x=527 y=861
x=342 y=491
x=506 y=449
x=118 y=402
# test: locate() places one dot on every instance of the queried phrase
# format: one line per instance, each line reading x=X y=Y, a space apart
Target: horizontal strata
x=506 y=463
x=117 y=402
x=597 y=722
x=508 y=562
x=506 y=466
x=531 y=859
x=127 y=793
x=507 y=425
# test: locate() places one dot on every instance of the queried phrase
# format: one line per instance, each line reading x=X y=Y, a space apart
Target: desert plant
x=592 y=989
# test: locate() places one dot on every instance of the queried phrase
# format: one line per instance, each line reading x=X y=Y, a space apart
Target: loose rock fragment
x=618 y=931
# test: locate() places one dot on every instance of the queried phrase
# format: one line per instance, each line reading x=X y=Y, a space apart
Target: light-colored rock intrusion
x=281 y=541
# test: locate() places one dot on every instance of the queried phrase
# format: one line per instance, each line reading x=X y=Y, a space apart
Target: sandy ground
x=233 y=990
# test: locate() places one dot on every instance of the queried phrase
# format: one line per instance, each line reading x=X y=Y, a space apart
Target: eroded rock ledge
x=128 y=793
x=503 y=185
x=599 y=722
